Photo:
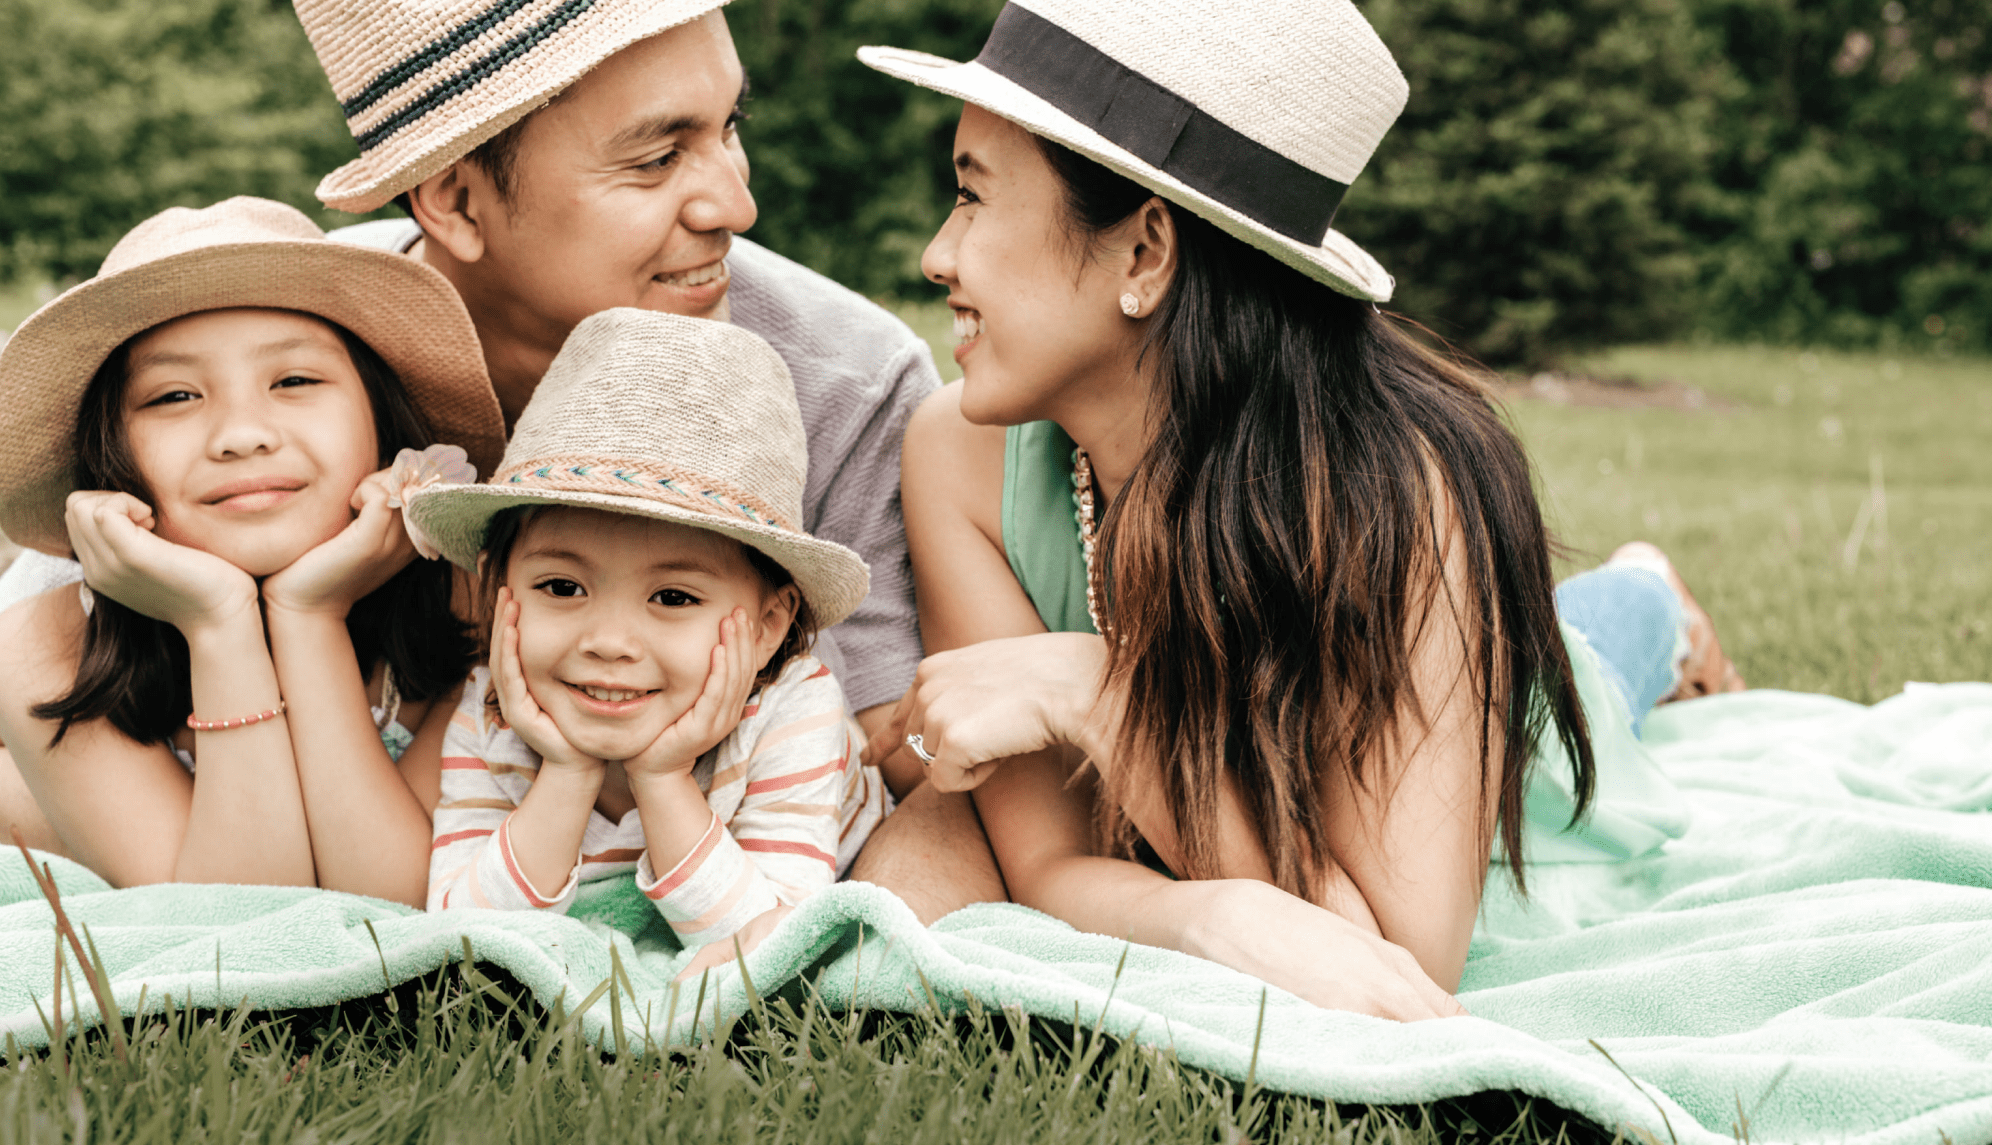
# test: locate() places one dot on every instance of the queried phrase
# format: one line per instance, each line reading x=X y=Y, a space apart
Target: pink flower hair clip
x=436 y=465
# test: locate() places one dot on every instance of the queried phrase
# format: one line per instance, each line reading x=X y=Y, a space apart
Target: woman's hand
x=1258 y=929
x=975 y=706
x=123 y=559
x=522 y=713
x=359 y=559
x=714 y=715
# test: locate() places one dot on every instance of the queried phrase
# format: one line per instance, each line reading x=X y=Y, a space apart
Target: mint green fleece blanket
x=1817 y=949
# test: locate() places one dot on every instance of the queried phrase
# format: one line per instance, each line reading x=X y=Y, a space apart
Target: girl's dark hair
x=1277 y=553
x=134 y=670
x=502 y=534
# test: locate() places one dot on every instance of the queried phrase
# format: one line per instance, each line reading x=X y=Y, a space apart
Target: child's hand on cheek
x=515 y=700
x=714 y=715
x=357 y=560
x=122 y=559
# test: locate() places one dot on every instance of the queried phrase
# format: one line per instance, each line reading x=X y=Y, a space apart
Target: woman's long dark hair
x=1280 y=548
x=134 y=670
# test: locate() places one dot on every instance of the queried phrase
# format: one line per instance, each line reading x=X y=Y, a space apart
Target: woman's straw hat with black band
x=1255 y=114
x=679 y=419
x=242 y=252
x=424 y=82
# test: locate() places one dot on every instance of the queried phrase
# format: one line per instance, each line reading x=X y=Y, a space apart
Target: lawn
x=1832 y=511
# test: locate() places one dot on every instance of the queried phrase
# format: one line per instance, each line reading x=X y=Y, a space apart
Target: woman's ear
x=1151 y=256
x=778 y=611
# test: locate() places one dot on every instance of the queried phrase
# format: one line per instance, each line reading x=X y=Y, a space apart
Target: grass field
x=1833 y=512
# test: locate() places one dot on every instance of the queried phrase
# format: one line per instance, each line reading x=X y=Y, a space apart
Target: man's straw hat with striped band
x=423 y=82
x=681 y=419
x=242 y=252
x=1255 y=114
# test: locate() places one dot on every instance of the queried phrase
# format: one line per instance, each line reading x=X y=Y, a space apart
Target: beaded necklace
x=1082 y=496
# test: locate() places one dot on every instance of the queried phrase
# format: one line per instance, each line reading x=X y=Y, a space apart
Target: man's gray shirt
x=859 y=372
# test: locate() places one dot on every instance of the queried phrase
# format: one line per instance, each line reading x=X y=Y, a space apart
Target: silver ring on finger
x=918 y=747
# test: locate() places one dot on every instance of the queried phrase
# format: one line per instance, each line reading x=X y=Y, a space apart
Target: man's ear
x=453 y=208
x=1150 y=243
x=777 y=613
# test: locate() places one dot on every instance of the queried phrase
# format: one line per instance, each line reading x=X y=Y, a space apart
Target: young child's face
x=618 y=617
x=252 y=429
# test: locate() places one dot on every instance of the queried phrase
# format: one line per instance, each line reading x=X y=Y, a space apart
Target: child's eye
x=295 y=380
x=171 y=397
x=560 y=587
x=673 y=598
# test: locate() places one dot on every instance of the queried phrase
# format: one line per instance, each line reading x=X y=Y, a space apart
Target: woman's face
x=251 y=429
x=1036 y=316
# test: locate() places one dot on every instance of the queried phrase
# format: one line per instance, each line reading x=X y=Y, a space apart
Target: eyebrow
x=968 y=163
x=266 y=350
x=660 y=126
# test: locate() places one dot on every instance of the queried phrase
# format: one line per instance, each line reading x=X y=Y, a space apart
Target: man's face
x=629 y=186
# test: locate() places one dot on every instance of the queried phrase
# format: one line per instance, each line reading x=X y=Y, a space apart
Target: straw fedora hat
x=241 y=252
x=681 y=419
x=424 y=82
x=1255 y=114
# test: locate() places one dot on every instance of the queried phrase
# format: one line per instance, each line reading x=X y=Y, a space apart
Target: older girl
x=205 y=425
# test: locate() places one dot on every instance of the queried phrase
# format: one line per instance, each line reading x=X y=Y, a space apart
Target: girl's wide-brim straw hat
x=424 y=82
x=680 y=419
x=1255 y=114
x=242 y=252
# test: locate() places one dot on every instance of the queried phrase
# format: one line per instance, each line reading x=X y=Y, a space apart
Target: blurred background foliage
x=1599 y=171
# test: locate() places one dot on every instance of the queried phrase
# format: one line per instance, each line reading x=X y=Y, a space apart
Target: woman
x=1332 y=659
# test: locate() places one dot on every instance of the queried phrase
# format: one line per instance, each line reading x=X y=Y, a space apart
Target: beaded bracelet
x=237 y=722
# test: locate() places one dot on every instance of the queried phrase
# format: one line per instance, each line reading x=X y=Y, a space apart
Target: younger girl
x=651 y=705
x=201 y=425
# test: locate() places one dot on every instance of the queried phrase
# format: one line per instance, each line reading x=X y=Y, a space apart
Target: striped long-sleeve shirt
x=791 y=807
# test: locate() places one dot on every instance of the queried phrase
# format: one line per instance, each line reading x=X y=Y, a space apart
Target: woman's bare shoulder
x=951 y=464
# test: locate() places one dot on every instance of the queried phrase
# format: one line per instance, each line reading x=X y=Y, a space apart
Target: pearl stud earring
x=1130 y=305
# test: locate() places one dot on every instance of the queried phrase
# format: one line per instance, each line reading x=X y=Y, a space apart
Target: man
x=557 y=160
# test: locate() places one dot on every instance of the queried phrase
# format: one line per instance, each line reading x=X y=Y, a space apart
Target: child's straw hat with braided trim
x=242 y=252
x=424 y=82
x=681 y=419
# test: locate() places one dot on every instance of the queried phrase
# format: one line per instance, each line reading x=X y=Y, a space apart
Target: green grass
x=1757 y=495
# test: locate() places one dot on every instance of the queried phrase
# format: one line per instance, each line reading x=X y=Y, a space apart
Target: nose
x=242 y=426
x=937 y=262
x=720 y=200
x=608 y=634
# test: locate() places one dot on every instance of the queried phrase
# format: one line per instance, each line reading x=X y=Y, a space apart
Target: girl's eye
x=295 y=380
x=171 y=397
x=673 y=598
x=560 y=587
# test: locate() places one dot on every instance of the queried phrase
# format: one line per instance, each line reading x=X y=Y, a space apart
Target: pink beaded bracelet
x=237 y=722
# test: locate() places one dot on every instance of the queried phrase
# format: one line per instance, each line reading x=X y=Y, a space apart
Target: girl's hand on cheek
x=515 y=701
x=123 y=559
x=714 y=715
x=359 y=559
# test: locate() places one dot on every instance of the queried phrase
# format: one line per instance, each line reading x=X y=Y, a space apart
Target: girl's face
x=1034 y=313
x=618 y=617
x=251 y=429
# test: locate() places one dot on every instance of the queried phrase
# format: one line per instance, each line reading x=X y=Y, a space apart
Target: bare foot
x=1706 y=670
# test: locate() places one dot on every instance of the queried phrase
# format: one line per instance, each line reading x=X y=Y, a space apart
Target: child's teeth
x=610 y=695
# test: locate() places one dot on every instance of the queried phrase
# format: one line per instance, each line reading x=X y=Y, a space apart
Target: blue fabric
x=1634 y=623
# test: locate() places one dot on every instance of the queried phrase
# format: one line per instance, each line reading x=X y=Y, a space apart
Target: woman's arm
x=1039 y=822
